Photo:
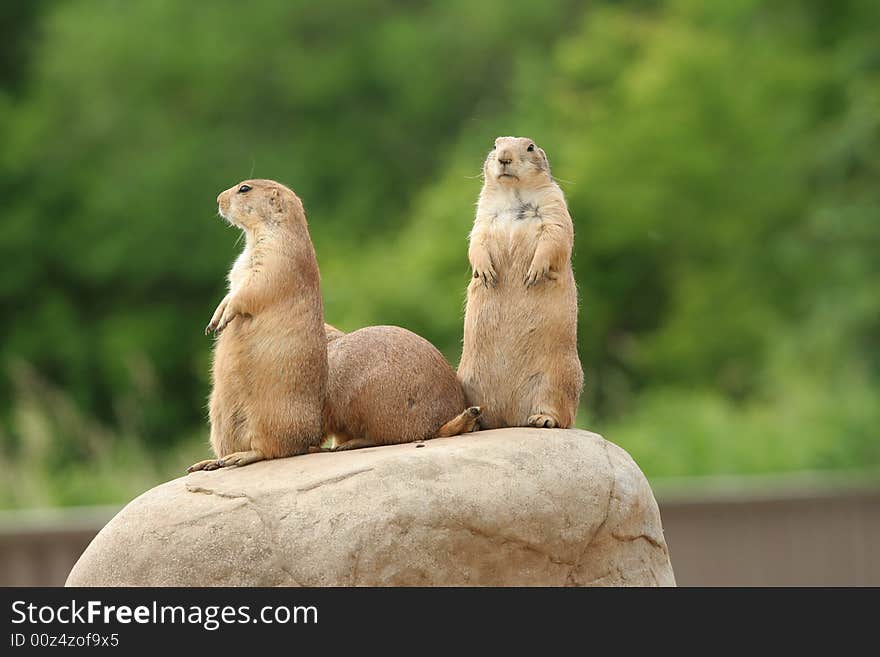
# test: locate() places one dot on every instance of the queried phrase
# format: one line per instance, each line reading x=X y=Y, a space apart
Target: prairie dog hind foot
x=234 y=459
x=354 y=443
x=543 y=421
x=465 y=422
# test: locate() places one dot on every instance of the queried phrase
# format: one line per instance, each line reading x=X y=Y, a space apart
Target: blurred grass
x=111 y=464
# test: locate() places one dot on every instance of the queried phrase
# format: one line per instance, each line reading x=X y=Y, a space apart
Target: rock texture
x=513 y=507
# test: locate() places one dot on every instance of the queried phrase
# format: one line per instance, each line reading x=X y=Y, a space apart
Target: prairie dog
x=388 y=386
x=520 y=362
x=270 y=359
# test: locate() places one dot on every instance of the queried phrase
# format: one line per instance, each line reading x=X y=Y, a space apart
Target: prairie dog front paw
x=538 y=271
x=484 y=271
x=213 y=325
x=228 y=310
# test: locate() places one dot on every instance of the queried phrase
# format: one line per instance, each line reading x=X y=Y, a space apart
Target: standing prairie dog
x=270 y=359
x=520 y=362
x=389 y=386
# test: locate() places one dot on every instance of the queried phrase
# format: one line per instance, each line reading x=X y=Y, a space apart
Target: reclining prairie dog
x=388 y=386
x=520 y=362
x=270 y=359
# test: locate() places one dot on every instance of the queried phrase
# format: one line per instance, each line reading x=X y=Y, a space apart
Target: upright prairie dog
x=520 y=362
x=388 y=386
x=270 y=359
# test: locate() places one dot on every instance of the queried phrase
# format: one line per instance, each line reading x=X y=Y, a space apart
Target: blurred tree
x=18 y=34
x=720 y=160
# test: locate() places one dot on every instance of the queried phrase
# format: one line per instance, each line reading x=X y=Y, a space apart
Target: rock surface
x=512 y=507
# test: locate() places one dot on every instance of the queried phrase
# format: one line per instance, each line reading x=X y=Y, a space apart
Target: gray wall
x=782 y=536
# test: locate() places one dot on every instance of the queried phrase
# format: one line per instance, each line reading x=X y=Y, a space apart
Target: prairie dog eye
x=531 y=148
x=244 y=189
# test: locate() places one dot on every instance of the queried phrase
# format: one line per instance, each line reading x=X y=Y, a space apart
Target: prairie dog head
x=516 y=162
x=332 y=333
x=252 y=204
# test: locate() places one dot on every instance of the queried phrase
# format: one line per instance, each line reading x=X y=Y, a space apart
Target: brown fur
x=270 y=360
x=520 y=361
x=388 y=386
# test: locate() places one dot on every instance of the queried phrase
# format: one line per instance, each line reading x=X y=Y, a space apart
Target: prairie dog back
x=388 y=386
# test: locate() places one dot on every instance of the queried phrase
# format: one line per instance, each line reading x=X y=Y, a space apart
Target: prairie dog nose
x=219 y=196
x=505 y=156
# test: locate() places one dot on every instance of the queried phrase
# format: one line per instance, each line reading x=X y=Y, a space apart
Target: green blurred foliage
x=721 y=162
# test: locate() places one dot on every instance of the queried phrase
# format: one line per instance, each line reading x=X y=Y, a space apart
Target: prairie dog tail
x=464 y=422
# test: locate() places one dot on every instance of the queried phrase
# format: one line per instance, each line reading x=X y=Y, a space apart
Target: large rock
x=504 y=507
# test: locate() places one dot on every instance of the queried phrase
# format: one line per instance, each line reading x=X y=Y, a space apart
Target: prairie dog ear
x=545 y=159
x=275 y=201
